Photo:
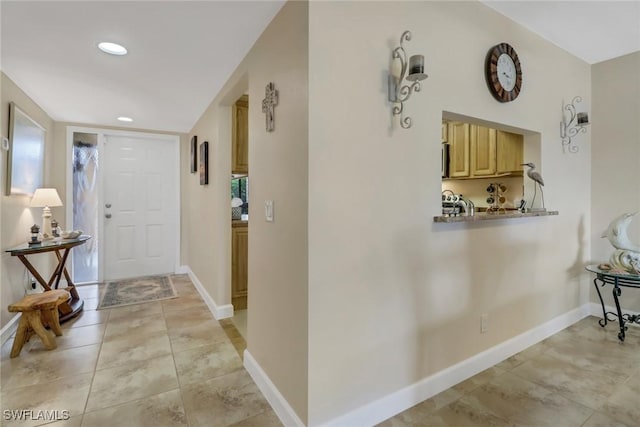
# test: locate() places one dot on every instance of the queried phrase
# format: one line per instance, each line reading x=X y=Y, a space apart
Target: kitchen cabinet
x=483 y=150
x=445 y=131
x=239 y=264
x=510 y=152
x=458 y=139
x=240 y=136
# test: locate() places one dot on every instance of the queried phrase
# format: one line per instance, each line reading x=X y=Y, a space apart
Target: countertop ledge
x=493 y=216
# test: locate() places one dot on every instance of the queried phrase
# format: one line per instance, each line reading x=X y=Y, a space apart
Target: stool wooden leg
x=53 y=319
x=33 y=318
x=21 y=336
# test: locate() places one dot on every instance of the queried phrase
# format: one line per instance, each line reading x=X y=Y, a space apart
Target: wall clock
x=503 y=72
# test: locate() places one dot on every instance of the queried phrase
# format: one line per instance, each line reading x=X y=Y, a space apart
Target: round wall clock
x=503 y=72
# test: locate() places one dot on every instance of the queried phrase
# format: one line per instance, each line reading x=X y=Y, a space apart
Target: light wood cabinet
x=240 y=229
x=483 y=150
x=479 y=152
x=445 y=131
x=239 y=264
x=240 y=136
x=510 y=150
x=458 y=139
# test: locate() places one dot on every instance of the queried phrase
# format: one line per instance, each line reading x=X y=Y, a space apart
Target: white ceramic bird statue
x=626 y=257
x=618 y=235
x=537 y=180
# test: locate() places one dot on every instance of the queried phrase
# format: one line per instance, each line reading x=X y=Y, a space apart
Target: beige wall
x=393 y=297
x=615 y=153
x=206 y=210
x=16 y=215
x=277 y=317
x=278 y=166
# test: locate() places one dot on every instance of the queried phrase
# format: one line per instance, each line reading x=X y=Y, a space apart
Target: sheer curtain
x=85 y=210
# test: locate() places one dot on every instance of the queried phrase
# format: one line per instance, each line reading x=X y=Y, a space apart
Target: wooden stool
x=35 y=308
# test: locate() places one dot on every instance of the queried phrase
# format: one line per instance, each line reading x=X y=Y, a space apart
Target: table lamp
x=46 y=198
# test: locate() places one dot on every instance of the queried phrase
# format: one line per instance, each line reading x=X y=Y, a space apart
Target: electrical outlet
x=33 y=288
x=484 y=323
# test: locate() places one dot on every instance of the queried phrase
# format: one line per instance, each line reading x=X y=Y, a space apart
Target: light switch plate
x=268 y=210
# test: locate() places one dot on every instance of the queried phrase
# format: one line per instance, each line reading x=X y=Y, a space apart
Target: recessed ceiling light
x=125 y=119
x=112 y=48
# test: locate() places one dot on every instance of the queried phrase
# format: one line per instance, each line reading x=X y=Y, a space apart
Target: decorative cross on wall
x=270 y=100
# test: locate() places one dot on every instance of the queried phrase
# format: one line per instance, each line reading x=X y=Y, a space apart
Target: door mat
x=136 y=291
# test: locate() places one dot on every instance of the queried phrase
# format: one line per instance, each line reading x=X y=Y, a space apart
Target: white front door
x=140 y=206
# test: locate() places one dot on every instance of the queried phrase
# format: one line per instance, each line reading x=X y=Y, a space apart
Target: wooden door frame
x=102 y=133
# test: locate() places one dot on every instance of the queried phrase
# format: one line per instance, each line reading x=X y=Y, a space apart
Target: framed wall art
x=204 y=163
x=194 y=154
x=25 y=159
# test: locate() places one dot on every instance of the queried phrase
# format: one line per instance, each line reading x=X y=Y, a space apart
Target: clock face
x=503 y=72
x=506 y=72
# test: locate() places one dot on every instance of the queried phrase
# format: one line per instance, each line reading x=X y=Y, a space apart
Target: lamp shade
x=44 y=197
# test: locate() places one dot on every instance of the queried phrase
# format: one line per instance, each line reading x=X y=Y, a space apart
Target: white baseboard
x=280 y=406
x=392 y=404
x=9 y=328
x=218 y=311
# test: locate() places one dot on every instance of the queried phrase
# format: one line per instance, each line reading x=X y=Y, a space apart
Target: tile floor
x=170 y=363
x=581 y=376
x=165 y=363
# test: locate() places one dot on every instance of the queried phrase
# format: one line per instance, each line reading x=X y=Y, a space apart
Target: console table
x=61 y=248
x=618 y=279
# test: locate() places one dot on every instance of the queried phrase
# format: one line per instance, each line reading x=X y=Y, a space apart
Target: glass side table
x=618 y=279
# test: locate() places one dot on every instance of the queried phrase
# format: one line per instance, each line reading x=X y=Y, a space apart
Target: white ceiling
x=594 y=31
x=181 y=53
x=180 y=56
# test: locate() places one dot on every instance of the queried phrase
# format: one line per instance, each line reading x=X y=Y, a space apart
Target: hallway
x=170 y=363
x=165 y=363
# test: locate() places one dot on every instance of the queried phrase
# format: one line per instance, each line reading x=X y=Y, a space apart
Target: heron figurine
x=537 y=181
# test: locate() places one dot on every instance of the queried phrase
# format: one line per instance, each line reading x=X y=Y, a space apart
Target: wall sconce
x=576 y=124
x=399 y=93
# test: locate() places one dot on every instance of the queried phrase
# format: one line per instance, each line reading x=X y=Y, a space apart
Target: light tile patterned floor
x=165 y=363
x=170 y=363
x=582 y=376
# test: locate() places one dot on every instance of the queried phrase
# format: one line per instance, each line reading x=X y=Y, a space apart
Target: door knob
x=108 y=205
x=107 y=215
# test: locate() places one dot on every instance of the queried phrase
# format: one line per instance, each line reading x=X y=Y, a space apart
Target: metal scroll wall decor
x=573 y=125
x=268 y=103
x=399 y=93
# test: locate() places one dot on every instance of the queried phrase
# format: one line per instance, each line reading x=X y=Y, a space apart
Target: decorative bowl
x=72 y=234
